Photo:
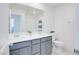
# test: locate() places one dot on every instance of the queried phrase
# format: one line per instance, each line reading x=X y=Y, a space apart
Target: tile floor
x=61 y=52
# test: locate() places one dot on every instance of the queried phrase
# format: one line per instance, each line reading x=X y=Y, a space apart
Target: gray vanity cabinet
x=39 y=46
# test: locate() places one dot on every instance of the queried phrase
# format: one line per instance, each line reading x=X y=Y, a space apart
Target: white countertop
x=28 y=37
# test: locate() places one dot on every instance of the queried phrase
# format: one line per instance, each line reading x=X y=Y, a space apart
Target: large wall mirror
x=23 y=18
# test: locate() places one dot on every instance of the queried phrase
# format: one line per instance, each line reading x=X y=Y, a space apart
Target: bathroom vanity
x=39 y=45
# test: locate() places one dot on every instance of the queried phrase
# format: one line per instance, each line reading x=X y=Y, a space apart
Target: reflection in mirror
x=14 y=23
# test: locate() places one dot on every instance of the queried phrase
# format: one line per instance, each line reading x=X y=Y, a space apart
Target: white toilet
x=58 y=46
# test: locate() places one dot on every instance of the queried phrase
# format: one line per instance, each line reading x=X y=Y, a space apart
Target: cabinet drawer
x=20 y=44
x=16 y=52
x=36 y=41
x=46 y=38
x=35 y=48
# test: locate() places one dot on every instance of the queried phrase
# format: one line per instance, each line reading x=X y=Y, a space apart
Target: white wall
x=4 y=26
x=77 y=28
x=48 y=18
x=64 y=25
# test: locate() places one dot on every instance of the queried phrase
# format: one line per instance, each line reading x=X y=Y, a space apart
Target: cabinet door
x=43 y=48
x=15 y=52
x=36 y=49
x=48 y=47
x=25 y=51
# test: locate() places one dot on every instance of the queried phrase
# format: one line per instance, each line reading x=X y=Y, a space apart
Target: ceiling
x=54 y=4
